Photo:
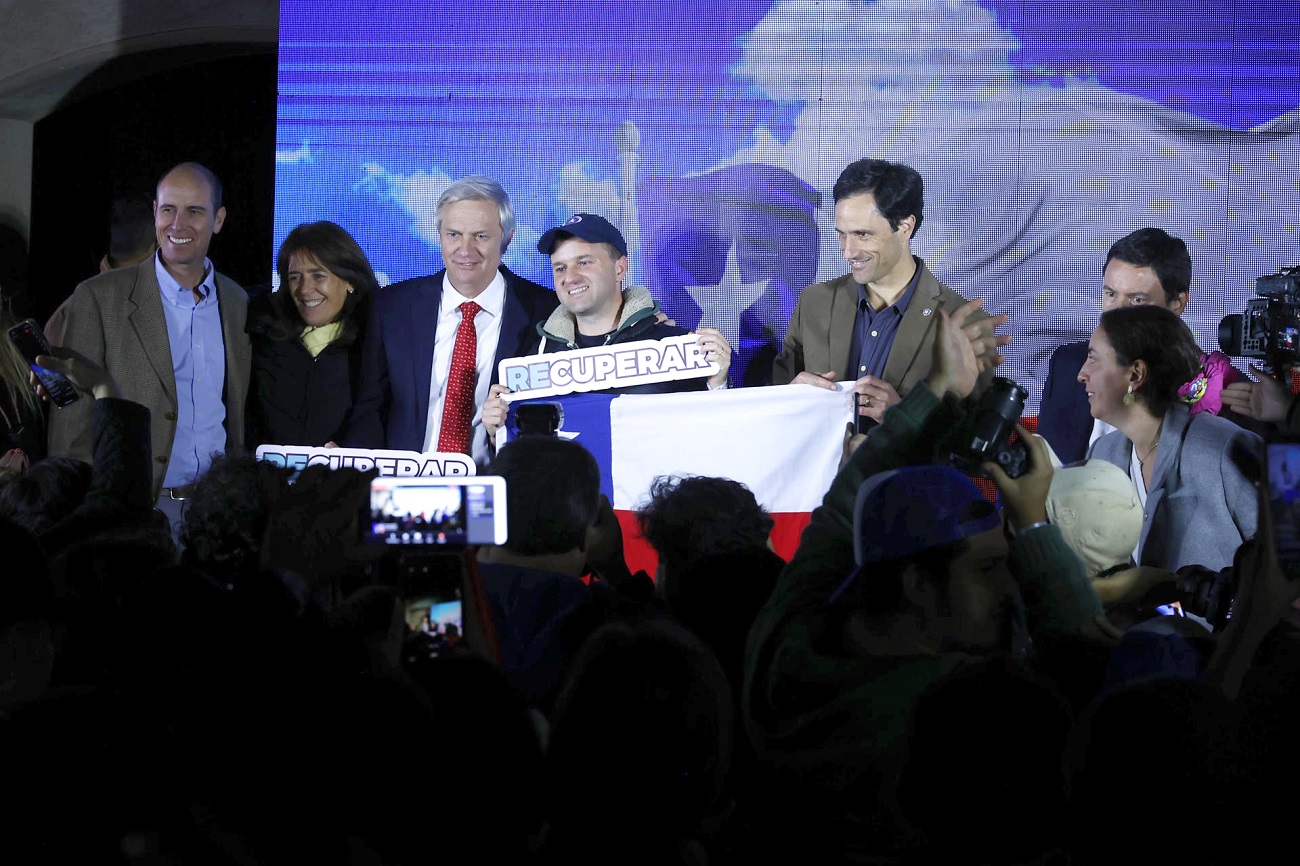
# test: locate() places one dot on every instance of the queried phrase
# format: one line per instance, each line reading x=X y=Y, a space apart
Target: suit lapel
x=914 y=330
x=1175 y=427
x=421 y=339
x=514 y=327
x=150 y=325
x=239 y=357
x=839 y=337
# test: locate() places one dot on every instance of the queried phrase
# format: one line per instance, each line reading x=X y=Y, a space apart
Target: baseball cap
x=1098 y=511
x=588 y=226
x=909 y=510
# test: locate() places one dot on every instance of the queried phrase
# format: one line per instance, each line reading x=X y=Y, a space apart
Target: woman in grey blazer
x=1198 y=506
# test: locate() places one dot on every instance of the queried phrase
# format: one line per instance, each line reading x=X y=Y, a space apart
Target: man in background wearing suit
x=1148 y=266
x=877 y=324
x=433 y=343
x=171 y=332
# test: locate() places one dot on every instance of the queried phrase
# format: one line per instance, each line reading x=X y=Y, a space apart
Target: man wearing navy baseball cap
x=904 y=574
x=932 y=565
x=589 y=263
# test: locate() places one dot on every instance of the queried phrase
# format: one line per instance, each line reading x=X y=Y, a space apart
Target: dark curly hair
x=1156 y=335
x=688 y=518
x=50 y=490
x=226 y=517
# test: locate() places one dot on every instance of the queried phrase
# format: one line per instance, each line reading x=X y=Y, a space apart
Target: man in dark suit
x=407 y=362
x=877 y=324
x=1148 y=266
x=171 y=332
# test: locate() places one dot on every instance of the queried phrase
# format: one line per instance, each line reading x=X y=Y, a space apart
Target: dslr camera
x=983 y=435
x=1270 y=326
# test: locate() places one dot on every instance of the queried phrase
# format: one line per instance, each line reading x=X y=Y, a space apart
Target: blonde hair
x=14 y=370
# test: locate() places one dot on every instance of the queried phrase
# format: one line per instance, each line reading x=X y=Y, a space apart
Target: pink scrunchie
x=1204 y=392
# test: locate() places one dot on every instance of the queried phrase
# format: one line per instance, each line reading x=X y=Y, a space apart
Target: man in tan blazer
x=877 y=324
x=171 y=332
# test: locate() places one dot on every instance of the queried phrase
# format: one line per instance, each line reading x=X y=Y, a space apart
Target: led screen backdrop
x=713 y=134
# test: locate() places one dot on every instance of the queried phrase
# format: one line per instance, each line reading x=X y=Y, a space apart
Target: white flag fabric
x=782 y=442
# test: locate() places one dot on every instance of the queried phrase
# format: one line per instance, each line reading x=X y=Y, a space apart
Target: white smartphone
x=438 y=512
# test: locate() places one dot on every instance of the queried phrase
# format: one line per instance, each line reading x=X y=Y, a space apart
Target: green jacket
x=820 y=719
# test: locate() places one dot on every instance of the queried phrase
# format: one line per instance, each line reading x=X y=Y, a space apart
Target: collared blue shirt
x=874 y=331
x=199 y=363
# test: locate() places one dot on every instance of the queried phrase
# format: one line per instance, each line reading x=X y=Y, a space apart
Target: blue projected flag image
x=713 y=138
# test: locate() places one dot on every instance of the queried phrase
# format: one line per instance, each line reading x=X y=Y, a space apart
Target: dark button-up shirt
x=875 y=330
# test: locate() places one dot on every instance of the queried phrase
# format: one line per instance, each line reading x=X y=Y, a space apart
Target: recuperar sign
x=397 y=464
x=619 y=366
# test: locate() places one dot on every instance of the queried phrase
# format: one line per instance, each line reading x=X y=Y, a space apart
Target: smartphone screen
x=430 y=591
x=445 y=512
x=29 y=340
x=1283 y=457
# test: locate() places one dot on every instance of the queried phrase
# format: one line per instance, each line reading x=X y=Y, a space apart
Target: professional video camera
x=1270 y=326
x=982 y=436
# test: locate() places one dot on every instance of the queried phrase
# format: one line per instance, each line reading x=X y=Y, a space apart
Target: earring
x=1129 y=399
x=350 y=290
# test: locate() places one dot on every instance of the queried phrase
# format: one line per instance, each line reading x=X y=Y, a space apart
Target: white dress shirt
x=488 y=327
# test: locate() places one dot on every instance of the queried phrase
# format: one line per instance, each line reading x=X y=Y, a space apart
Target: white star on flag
x=721 y=305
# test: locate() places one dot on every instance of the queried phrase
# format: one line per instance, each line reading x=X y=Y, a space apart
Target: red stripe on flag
x=786 y=532
x=641 y=556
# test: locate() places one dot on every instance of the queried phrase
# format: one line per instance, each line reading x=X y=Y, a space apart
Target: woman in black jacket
x=307 y=338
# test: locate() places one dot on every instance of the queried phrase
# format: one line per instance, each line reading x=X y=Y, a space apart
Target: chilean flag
x=783 y=443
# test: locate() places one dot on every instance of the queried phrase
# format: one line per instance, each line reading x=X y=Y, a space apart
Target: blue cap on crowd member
x=588 y=226
x=906 y=511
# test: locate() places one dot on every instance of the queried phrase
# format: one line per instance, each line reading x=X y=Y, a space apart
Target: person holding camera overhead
x=307 y=338
x=1198 y=505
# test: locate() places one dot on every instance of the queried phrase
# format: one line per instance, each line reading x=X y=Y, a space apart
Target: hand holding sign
x=714 y=346
x=494 y=411
x=622 y=365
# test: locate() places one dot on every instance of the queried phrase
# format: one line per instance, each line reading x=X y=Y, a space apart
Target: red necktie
x=458 y=399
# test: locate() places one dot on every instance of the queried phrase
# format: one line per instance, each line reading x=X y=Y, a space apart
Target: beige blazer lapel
x=233 y=303
x=1168 y=457
x=841 y=316
x=150 y=324
x=914 y=334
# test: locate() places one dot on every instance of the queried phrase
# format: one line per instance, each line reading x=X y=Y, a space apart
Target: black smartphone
x=430 y=589
x=861 y=423
x=1282 y=459
x=438 y=512
x=31 y=342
